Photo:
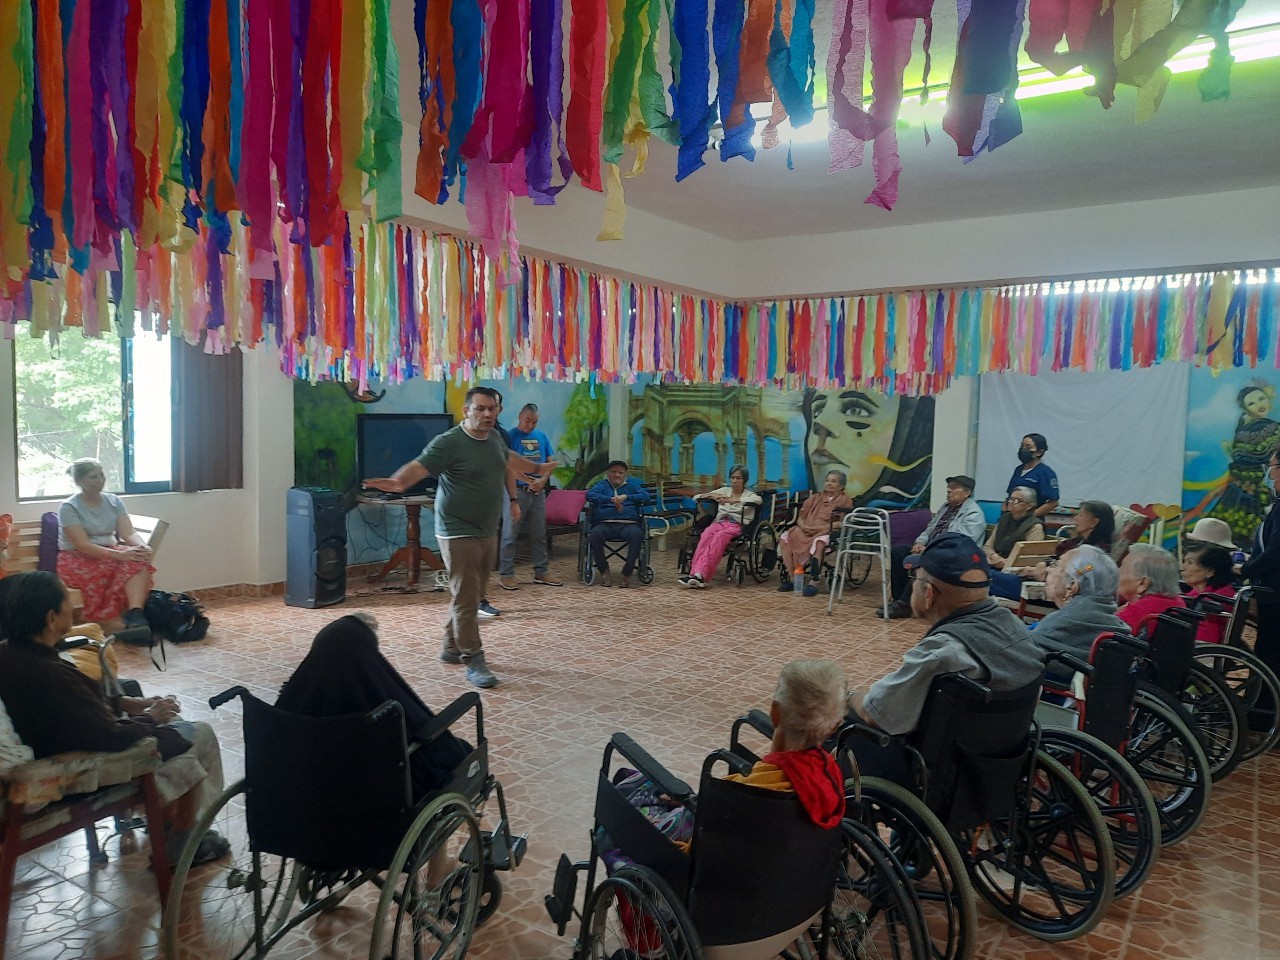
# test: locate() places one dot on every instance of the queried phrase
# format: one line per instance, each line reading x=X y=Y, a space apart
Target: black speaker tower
x=317 y=548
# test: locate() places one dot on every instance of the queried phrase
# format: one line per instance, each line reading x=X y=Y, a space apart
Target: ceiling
x=1071 y=153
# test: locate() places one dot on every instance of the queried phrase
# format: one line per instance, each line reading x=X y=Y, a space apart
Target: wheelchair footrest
x=504 y=852
x=559 y=902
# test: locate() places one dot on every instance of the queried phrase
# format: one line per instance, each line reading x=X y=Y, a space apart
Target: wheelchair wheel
x=230 y=907
x=1214 y=714
x=634 y=914
x=934 y=867
x=645 y=573
x=1121 y=796
x=1168 y=756
x=490 y=896
x=1257 y=688
x=432 y=892
x=857 y=569
x=585 y=570
x=739 y=573
x=874 y=910
x=763 y=552
x=1048 y=868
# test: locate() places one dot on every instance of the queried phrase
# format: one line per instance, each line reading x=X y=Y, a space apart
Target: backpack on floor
x=178 y=617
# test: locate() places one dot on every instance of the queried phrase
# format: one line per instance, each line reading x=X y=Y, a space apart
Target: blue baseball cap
x=949 y=557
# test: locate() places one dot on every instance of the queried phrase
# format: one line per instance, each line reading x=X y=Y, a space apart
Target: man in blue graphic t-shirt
x=531 y=493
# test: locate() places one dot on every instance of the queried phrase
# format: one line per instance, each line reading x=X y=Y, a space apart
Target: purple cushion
x=906 y=525
x=47 y=556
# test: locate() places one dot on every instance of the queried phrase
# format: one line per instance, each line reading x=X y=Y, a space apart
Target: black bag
x=178 y=617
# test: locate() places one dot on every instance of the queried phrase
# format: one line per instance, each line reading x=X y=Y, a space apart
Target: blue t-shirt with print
x=533 y=445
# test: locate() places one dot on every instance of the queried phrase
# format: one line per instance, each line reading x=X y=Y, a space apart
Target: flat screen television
x=387 y=441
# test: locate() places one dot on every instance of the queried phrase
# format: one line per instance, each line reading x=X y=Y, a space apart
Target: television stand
x=412 y=555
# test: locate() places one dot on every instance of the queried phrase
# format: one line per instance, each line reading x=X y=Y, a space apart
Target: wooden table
x=412 y=555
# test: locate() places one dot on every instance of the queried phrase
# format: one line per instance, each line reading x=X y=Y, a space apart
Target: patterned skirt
x=100 y=580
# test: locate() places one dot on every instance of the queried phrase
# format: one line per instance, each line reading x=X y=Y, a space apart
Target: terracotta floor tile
x=671 y=668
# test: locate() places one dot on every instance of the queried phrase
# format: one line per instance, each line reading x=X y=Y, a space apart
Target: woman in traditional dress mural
x=1245 y=498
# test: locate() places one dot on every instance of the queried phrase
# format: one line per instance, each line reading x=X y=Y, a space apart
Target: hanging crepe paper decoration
x=982 y=112
x=791 y=62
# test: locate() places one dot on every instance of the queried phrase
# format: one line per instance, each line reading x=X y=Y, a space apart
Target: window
x=108 y=399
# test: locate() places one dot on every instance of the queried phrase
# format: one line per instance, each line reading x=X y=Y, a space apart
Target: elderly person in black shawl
x=345 y=673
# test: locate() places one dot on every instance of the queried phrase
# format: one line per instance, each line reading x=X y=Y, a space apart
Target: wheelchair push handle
x=75 y=643
x=218 y=699
x=1070 y=660
x=973 y=686
x=638 y=757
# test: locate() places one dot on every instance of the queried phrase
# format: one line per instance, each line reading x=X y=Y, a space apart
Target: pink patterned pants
x=711 y=547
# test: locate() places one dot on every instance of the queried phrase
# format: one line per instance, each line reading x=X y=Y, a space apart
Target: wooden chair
x=42 y=801
x=26 y=536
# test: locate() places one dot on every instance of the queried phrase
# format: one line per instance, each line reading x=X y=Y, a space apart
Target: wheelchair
x=326 y=806
x=760 y=879
x=1114 y=705
x=1253 y=683
x=1090 y=740
x=986 y=808
x=1203 y=696
x=655 y=519
x=821 y=567
x=754 y=552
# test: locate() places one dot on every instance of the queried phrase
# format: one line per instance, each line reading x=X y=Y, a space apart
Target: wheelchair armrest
x=757 y=719
x=218 y=699
x=1071 y=661
x=663 y=779
x=75 y=643
x=736 y=764
x=856 y=728
x=443 y=720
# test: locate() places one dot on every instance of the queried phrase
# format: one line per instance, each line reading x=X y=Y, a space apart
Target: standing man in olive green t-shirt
x=472 y=463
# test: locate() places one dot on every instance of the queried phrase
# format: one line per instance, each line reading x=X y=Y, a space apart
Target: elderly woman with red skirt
x=99 y=552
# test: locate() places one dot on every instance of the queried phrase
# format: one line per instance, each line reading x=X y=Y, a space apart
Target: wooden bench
x=24 y=546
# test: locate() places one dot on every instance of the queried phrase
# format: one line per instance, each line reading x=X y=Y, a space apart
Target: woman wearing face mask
x=1263 y=571
x=1034 y=473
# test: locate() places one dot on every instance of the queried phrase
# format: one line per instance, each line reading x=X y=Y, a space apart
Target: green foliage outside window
x=68 y=406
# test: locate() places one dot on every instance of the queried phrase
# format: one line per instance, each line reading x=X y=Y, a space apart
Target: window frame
x=130 y=487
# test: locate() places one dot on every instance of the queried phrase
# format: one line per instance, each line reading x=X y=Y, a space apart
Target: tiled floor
x=672 y=668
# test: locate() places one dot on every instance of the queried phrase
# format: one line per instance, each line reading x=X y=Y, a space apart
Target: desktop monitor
x=387 y=441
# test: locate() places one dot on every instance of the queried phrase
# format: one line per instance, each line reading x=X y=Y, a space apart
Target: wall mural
x=1231 y=431
x=575 y=417
x=691 y=435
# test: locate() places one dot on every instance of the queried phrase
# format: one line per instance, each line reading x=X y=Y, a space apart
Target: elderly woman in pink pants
x=735 y=507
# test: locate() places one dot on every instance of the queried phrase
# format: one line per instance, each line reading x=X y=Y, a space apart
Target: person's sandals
x=624 y=582
x=605 y=578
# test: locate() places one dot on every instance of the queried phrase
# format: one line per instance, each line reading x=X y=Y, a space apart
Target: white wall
x=1139 y=237
x=218 y=537
x=955 y=435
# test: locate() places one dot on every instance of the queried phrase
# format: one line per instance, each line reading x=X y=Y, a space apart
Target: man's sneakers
x=508 y=583
x=478 y=672
x=546 y=580
x=692 y=582
x=487 y=611
x=897 y=610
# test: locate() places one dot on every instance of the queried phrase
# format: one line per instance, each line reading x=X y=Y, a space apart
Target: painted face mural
x=884 y=443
